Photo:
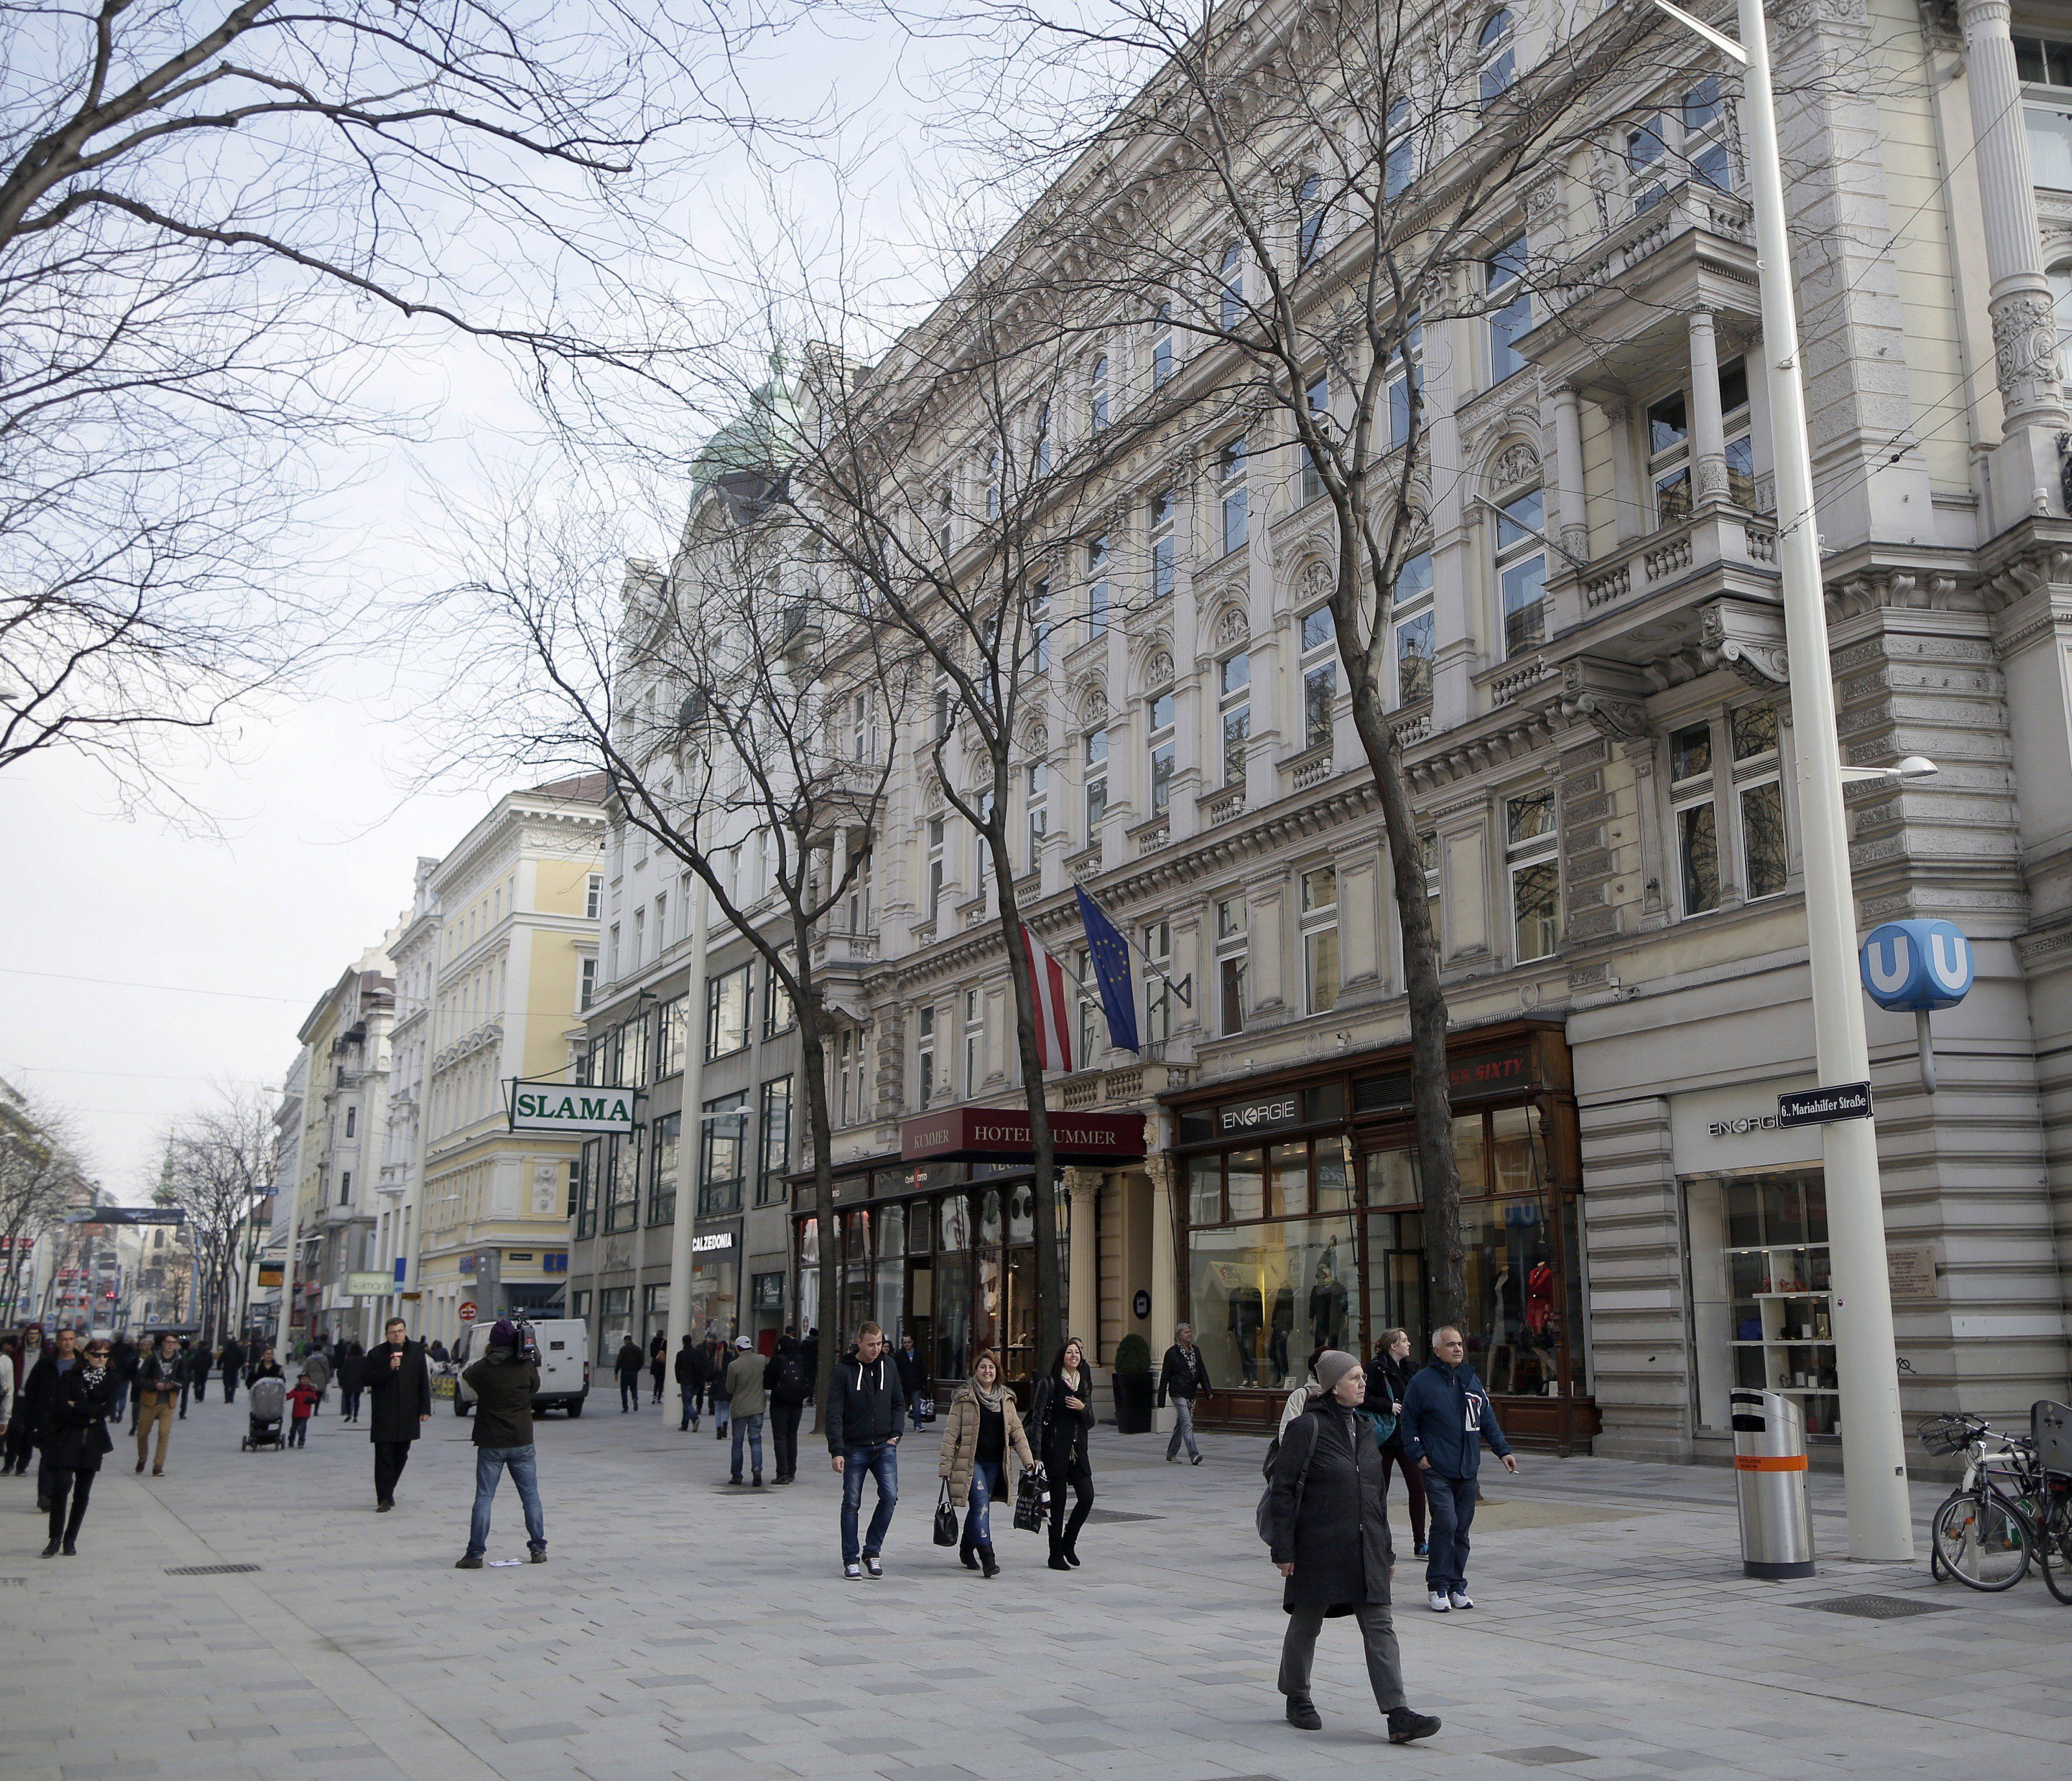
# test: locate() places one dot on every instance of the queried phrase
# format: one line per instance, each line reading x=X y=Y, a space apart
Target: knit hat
x=504 y=1334
x=1333 y=1364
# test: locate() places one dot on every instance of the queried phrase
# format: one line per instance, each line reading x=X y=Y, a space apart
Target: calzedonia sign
x=570 y=1107
x=1000 y=1134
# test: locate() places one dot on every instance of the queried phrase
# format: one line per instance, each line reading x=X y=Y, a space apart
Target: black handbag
x=1031 y=1498
x=946 y=1518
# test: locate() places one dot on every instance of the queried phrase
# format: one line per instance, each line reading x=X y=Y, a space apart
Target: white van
x=564 y=1365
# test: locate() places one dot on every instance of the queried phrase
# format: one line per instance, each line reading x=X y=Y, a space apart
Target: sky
x=145 y=964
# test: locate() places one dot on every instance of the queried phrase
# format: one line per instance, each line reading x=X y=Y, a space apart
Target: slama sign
x=570 y=1107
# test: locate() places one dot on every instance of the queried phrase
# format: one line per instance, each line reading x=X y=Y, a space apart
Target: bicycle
x=2012 y=1506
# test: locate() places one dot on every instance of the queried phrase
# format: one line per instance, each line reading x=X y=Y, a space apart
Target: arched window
x=1097 y=395
x=1496 y=53
x=1416 y=627
x=1521 y=566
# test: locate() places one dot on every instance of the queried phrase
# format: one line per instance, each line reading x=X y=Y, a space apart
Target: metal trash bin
x=1769 y=1480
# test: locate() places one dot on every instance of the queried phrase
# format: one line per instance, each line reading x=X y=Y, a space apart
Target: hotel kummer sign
x=570 y=1107
x=1001 y=1135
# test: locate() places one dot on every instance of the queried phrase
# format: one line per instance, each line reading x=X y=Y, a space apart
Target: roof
x=590 y=788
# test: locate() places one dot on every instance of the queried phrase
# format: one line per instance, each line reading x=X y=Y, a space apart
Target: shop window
x=775 y=1126
x=1244 y=1184
x=1320 y=938
x=1233 y=705
x=1205 y=1191
x=1264 y=1297
x=1416 y=628
x=1320 y=677
x=1694 y=816
x=654 y=1311
x=1157 y=944
x=1521 y=570
x=889 y=1273
x=1759 y=800
x=615 y=1309
x=1509 y=308
x=1159 y=712
x=671 y=1038
x=1536 y=876
x=722 y=1155
x=663 y=1134
x=1235 y=502
x=809 y=1272
x=1095 y=761
x=1232 y=946
x=589 y=1178
x=1763 y=1310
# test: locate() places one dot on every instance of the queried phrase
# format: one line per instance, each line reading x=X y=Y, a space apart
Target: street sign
x=567 y=1107
x=1916 y=966
x=465 y=1314
x=1822 y=1106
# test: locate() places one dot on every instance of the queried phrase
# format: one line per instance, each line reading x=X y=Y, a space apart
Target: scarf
x=989 y=1399
x=94 y=1375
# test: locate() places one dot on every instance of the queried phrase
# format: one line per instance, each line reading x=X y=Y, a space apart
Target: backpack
x=787 y=1378
x=1298 y=1401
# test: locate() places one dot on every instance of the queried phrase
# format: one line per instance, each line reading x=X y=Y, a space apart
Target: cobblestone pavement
x=682 y=1628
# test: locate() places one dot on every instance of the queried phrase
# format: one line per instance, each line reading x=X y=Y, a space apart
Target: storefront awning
x=1000 y=1134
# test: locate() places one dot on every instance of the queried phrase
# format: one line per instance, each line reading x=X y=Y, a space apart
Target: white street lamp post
x=690 y=1124
x=1867 y=1366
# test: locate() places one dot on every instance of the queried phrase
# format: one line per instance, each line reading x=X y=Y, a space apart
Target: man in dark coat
x=400 y=1382
x=232 y=1364
x=504 y=1384
x=1327 y=1523
x=38 y=1405
x=694 y=1377
x=1447 y=1416
x=627 y=1364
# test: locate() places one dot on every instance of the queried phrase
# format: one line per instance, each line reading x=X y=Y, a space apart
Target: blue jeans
x=752 y=1427
x=880 y=1462
x=693 y=1405
x=1452 y=1502
x=629 y=1392
x=722 y=1408
x=987 y=1482
x=1183 y=1428
x=490 y=1463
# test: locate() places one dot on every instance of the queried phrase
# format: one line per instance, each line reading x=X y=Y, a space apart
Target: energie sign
x=569 y=1107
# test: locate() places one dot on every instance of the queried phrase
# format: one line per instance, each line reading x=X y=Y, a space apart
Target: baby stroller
x=268 y=1400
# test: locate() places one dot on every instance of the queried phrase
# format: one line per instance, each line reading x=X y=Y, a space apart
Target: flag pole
x=1182 y=988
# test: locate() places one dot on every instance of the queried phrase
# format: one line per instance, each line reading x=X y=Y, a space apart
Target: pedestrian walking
x=746 y=1397
x=122 y=1359
x=717 y=1361
x=76 y=1438
x=438 y=1352
x=789 y=1384
x=628 y=1366
x=909 y=1363
x=658 y=1361
x=866 y=1411
x=1387 y=1379
x=1183 y=1377
x=1062 y=1411
x=399 y=1382
x=316 y=1367
x=1447 y=1416
x=21 y=1429
x=38 y=1405
x=11 y=1356
x=693 y=1380
x=159 y=1380
x=267 y=1366
x=350 y=1377
x=188 y=1381
x=1327 y=1530
x=303 y=1397
x=504 y=1382
x=983 y=1428
x=232 y=1361
x=197 y=1356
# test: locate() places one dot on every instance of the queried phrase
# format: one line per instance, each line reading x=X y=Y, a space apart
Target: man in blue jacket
x=1446 y=1417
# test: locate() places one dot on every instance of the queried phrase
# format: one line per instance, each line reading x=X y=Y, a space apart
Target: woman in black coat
x=350 y=1368
x=1062 y=1411
x=76 y=1438
x=658 y=1362
x=1387 y=1379
x=1328 y=1521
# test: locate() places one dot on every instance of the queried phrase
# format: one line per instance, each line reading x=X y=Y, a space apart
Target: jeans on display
x=1451 y=1502
x=784 y=1436
x=1183 y=1429
x=988 y=1479
x=694 y=1401
x=751 y=1426
x=880 y=1462
x=490 y=1463
x=1277 y=1353
x=1384 y=1662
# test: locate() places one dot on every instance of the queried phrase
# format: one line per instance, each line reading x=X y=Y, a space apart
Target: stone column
x=1575 y=529
x=1708 y=430
x=2018 y=295
x=1082 y=1287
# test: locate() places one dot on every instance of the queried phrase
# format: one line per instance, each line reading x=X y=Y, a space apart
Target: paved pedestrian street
x=682 y=1628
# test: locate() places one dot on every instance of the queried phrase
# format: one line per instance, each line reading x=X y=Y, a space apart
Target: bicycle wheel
x=1981 y=1540
x=2054 y=1549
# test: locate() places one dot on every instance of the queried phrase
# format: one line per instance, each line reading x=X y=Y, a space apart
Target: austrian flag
x=1053 y=1010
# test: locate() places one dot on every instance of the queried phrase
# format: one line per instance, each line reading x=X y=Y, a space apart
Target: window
x=1230 y=286
x=640 y=938
x=614 y=938
x=1646 y=148
x=1039 y=627
x=859 y=896
x=663 y=1136
x=2047 y=62
x=935 y=892
x=1759 y=791
x=1309 y=222
x=1236 y=502
x=345 y=1187
x=1407 y=376
x=673 y=1040
x=1233 y=939
x=726 y=1014
x=1511 y=308
x=1669 y=447
x=924 y=1058
x=974 y=1039
x=1741 y=441
x=1157 y=944
x=1161 y=514
x=1521 y=571
x=1159 y=708
x=575 y=1191
x=1704 y=123
x=1097 y=586
x=1320 y=677
x=1040 y=455
x=593 y=897
x=942 y=720
x=775 y=1126
x=862 y=728
x=1320 y=938
x=588 y=1171
x=1535 y=875
x=981 y=846
x=637 y=1053
x=1496 y=55
x=720 y=1155
x=1097 y=395
x=622 y=1205
x=993 y=484
x=1398 y=165
x=946 y=532
x=1416 y=628
x=1162 y=348
x=1319 y=396
x=1096 y=783
x=1685 y=141
x=1039 y=811
x=844 y=1061
x=350 y=1114
x=1428 y=858
x=1086 y=1004
x=1233 y=705
x=1694 y=818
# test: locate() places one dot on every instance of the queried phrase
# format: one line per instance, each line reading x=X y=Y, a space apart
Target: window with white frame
x=1235 y=499
x=1234 y=708
x=1320 y=677
x=981 y=847
x=1233 y=945
x=1097 y=586
x=993 y=484
x=1758 y=800
x=777 y=1010
x=1094 y=776
x=586 y=989
x=1158 y=710
x=1097 y=395
x=593 y=897
x=1398 y=165
x=1039 y=810
x=1416 y=628
x=1318 y=397
x=946 y=530
x=924 y=1058
x=1040 y=456
x=1309 y=221
x=974 y=1039
x=941 y=709
x=613 y=951
x=1694 y=818
x=726 y=1013
x=1669 y=447
x=1535 y=871
x=1086 y=1006
x=859 y=896
x=1521 y=570
x=1496 y=54
x=1406 y=374
x=2044 y=65
x=1320 y=938
x=1687 y=140
x=1428 y=861
x=1159 y=514
x=1162 y=348
x=1039 y=627
x=1157 y=944
x=1509 y=308
x=640 y=938
x=1230 y=285
x=934 y=896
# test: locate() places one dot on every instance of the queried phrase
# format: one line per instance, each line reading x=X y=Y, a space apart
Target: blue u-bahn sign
x=1917 y=966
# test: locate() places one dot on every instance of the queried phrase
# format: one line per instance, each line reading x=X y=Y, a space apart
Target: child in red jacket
x=301 y=1406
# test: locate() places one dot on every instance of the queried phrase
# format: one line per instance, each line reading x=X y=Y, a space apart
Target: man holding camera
x=504 y=1382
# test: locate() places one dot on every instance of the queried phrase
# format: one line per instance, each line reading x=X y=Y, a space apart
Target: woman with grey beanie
x=1328 y=1525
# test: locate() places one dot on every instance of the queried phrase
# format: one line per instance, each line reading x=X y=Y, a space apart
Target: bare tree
x=40 y=1179
x=219 y=1164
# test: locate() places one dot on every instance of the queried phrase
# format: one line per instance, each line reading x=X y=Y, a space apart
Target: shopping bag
x=1031 y=1499
x=924 y=1409
x=946 y=1518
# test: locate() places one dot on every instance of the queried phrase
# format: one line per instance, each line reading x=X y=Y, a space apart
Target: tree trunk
x=813 y=1067
x=1049 y=1302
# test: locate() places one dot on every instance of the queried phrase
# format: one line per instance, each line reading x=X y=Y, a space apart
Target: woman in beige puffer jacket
x=983 y=1428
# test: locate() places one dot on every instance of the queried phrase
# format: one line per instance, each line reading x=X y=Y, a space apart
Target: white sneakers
x=1459 y=1600
x=1440 y=1603
x=853 y=1573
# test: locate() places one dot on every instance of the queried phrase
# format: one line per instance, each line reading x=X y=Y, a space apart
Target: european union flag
x=1110 y=952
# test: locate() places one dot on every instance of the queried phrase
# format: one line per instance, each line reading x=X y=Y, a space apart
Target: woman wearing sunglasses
x=76 y=1441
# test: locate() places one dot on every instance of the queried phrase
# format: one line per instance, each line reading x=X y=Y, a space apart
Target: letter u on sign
x=1917 y=966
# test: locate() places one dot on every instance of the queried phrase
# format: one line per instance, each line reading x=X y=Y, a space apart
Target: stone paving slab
x=682 y=1629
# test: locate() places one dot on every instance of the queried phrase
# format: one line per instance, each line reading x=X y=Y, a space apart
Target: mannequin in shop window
x=1284 y=1326
x=1248 y=1313
x=1327 y=1302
